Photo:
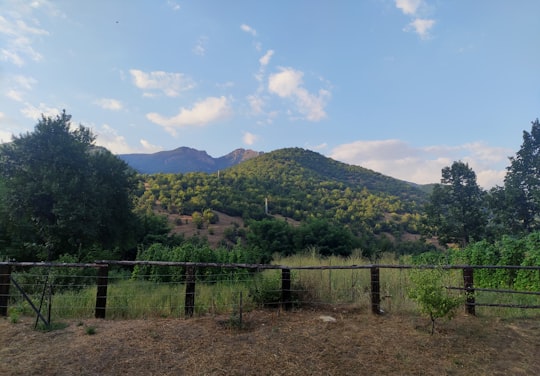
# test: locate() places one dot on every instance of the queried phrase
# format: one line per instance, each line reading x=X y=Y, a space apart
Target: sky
x=402 y=87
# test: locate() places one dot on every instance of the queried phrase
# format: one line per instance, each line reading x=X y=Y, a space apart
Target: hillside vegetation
x=300 y=185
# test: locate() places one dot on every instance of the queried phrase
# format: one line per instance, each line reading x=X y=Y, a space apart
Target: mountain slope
x=184 y=159
x=284 y=164
x=295 y=184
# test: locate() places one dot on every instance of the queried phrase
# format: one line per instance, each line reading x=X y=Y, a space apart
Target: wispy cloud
x=5 y=134
x=423 y=165
x=249 y=138
x=408 y=6
x=110 y=138
x=200 y=46
x=173 y=5
x=288 y=83
x=18 y=36
x=109 y=104
x=248 y=29
x=32 y=112
x=419 y=25
x=206 y=111
x=170 y=84
x=18 y=86
x=266 y=58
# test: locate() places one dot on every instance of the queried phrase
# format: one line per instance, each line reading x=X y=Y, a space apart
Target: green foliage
x=266 y=289
x=429 y=292
x=520 y=200
x=270 y=236
x=65 y=194
x=300 y=185
x=193 y=252
x=529 y=280
x=455 y=212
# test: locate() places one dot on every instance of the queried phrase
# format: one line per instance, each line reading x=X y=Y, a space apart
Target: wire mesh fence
x=146 y=290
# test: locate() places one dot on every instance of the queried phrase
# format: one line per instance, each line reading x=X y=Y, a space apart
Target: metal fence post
x=101 y=295
x=5 y=283
x=468 y=282
x=375 y=291
x=190 y=291
x=286 y=302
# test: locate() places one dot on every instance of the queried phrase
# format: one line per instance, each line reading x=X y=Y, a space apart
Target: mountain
x=297 y=185
x=184 y=159
x=306 y=166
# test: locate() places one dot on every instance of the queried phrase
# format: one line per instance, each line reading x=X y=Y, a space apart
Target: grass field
x=146 y=332
x=274 y=343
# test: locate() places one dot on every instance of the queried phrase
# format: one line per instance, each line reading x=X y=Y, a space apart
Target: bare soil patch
x=273 y=343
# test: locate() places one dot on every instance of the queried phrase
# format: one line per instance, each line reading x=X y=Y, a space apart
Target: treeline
x=61 y=196
x=459 y=212
x=509 y=250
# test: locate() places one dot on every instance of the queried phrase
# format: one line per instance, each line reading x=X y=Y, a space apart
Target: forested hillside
x=63 y=198
x=301 y=185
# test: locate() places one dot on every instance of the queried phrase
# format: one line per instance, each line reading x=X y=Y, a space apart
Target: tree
x=430 y=293
x=518 y=204
x=65 y=195
x=455 y=212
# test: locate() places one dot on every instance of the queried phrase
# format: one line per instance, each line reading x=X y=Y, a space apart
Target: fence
x=286 y=291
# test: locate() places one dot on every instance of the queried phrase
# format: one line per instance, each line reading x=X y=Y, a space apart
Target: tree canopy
x=455 y=211
x=62 y=194
x=519 y=203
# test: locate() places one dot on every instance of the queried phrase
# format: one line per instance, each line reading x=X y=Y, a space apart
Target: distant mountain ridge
x=185 y=159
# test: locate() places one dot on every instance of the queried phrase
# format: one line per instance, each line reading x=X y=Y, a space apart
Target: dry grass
x=293 y=343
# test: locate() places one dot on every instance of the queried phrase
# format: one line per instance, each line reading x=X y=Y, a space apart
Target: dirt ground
x=274 y=343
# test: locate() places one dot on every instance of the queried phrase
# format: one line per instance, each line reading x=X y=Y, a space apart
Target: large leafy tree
x=456 y=212
x=62 y=194
x=518 y=204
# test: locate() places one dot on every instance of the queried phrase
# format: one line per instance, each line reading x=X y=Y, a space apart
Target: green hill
x=298 y=184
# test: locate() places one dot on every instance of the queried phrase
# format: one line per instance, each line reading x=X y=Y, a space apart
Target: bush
x=429 y=292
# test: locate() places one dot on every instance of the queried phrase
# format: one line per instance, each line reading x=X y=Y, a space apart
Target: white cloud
x=266 y=58
x=12 y=57
x=200 y=46
x=109 y=104
x=418 y=25
x=408 y=6
x=206 y=111
x=15 y=95
x=173 y=5
x=25 y=82
x=5 y=135
x=288 y=84
x=421 y=27
x=148 y=147
x=249 y=138
x=32 y=112
x=248 y=29
x=423 y=165
x=17 y=37
x=109 y=138
x=171 y=84
x=285 y=83
x=256 y=103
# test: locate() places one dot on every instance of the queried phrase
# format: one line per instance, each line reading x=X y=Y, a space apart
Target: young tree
x=65 y=194
x=455 y=212
x=519 y=204
x=429 y=292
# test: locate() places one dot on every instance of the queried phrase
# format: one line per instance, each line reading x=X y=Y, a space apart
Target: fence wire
x=161 y=291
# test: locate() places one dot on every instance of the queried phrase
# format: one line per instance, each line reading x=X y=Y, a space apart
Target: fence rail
x=286 y=301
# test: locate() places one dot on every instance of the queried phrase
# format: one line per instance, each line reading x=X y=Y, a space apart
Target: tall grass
x=129 y=298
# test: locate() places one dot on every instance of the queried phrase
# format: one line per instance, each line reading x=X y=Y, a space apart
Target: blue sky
x=403 y=87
